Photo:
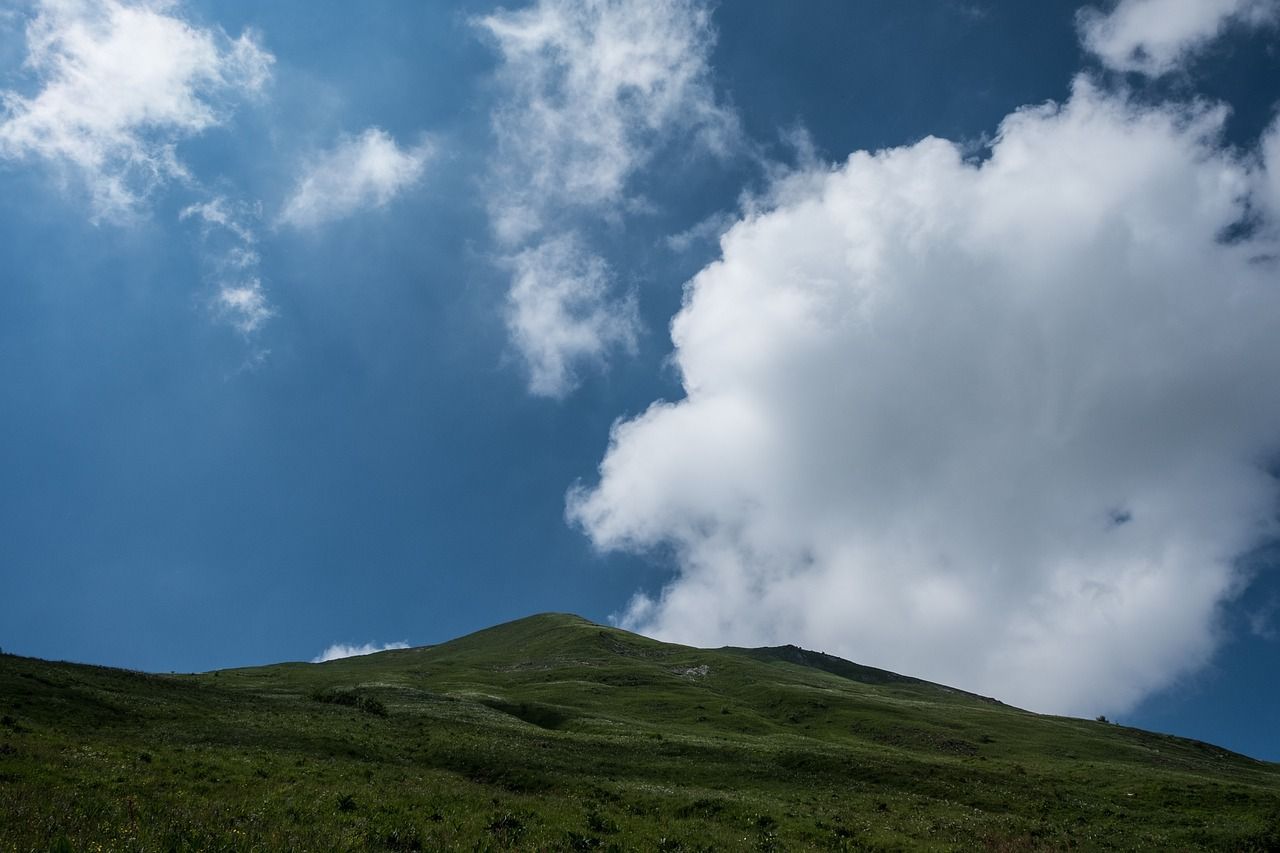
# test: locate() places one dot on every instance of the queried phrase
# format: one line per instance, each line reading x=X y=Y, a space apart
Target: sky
x=936 y=335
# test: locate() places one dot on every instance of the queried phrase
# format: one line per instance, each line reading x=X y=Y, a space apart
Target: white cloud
x=362 y=172
x=1000 y=425
x=244 y=304
x=230 y=248
x=119 y=86
x=593 y=87
x=342 y=650
x=561 y=315
x=707 y=231
x=591 y=90
x=1155 y=36
x=217 y=212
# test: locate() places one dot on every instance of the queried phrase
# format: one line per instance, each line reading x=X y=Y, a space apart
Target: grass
x=553 y=733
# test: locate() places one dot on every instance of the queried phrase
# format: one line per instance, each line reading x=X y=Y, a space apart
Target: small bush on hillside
x=351 y=699
x=507 y=828
x=598 y=822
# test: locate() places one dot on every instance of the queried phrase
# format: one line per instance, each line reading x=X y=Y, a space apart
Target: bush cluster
x=351 y=699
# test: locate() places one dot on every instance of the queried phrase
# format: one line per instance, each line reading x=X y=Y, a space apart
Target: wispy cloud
x=592 y=90
x=562 y=313
x=708 y=230
x=342 y=650
x=366 y=171
x=1262 y=621
x=117 y=86
x=230 y=243
x=1155 y=36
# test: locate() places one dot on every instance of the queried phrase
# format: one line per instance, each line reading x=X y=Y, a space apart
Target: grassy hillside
x=555 y=733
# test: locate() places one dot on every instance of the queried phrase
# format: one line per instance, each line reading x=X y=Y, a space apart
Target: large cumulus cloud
x=1003 y=424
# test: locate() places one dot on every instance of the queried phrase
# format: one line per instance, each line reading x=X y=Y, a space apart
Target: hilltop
x=553 y=732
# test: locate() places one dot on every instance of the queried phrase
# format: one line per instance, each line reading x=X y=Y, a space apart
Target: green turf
x=554 y=733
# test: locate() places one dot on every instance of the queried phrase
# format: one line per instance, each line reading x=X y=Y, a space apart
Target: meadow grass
x=553 y=733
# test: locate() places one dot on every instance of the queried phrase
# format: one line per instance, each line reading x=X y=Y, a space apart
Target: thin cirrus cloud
x=116 y=87
x=1000 y=424
x=338 y=651
x=590 y=91
x=1154 y=37
x=359 y=173
x=230 y=240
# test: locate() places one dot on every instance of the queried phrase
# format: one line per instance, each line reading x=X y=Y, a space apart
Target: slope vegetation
x=556 y=733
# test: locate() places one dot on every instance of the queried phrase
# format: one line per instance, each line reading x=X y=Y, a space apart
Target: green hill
x=556 y=733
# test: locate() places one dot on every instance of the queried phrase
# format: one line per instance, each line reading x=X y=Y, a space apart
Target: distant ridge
x=827 y=663
x=844 y=668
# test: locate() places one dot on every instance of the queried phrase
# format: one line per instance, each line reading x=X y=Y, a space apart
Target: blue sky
x=937 y=335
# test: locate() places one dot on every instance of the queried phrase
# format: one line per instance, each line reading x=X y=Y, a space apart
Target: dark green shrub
x=507 y=828
x=351 y=699
x=597 y=822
